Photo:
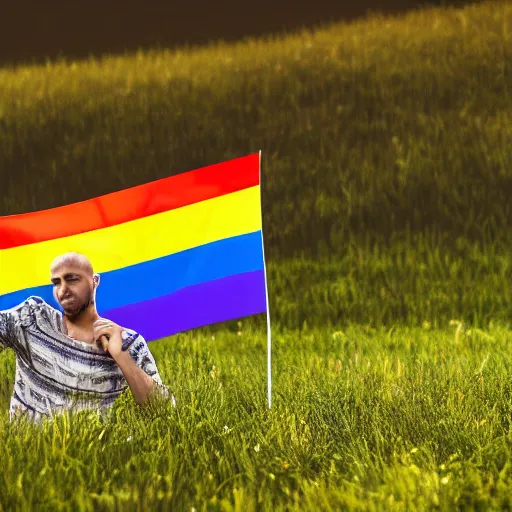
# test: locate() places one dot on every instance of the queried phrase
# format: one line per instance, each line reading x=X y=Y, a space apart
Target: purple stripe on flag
x=215 y=301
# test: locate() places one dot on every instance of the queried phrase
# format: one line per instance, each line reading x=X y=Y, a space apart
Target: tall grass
x=363 y=419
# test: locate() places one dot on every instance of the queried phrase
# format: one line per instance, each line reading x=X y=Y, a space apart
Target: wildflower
x=129 y=438
x=257 y=448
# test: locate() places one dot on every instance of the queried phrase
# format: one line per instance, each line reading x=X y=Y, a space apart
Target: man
x=76 y=360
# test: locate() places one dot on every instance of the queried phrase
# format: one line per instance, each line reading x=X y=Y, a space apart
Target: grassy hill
x=385 y=143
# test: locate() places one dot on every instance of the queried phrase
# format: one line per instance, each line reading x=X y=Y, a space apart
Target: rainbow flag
x=174 y=254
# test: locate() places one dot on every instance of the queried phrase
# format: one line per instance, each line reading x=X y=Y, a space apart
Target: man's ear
x=96 y=278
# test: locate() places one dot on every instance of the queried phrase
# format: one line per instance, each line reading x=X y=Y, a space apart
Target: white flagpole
x=269 y=337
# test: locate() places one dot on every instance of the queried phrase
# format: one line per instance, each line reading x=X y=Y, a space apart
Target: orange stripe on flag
x=130 y=204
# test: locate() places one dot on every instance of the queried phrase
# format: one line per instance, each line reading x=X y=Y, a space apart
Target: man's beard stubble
x=75 y=313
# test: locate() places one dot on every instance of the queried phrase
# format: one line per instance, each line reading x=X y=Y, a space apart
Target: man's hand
x=112 y=333
x=141 y=384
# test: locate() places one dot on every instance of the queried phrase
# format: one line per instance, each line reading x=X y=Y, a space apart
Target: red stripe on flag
x=130 y=204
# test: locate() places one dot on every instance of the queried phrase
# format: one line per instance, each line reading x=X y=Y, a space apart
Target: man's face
x=73 y=288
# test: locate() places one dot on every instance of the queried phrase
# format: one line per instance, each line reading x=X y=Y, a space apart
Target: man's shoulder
x=131 y=332
x=36 y=302
x=129 y=336
x=30 y=311
x=31 y=302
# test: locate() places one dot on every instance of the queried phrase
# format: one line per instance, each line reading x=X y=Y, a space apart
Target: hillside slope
x=388 y=132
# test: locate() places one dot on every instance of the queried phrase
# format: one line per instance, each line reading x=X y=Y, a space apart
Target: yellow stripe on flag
x=136 y=241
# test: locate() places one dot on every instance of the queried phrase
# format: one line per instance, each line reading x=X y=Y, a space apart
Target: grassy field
x=387 y=173
x=364 y=419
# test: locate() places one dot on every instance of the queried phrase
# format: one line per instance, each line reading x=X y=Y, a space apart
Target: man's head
x=74 y=283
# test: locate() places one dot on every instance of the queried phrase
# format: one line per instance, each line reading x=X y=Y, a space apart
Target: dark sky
x=31 y=31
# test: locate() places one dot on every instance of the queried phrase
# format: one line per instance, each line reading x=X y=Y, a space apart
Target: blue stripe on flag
x=163 y=276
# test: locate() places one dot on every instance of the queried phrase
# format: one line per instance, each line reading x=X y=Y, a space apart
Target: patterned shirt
x=55 y=372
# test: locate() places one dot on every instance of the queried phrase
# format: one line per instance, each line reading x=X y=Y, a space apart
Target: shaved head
x=72 y=259
x=74 y=283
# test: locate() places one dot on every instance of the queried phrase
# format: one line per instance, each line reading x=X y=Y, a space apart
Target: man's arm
x=13 y=325
x=7 y=330
x=141 y=384
x=131 y=352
